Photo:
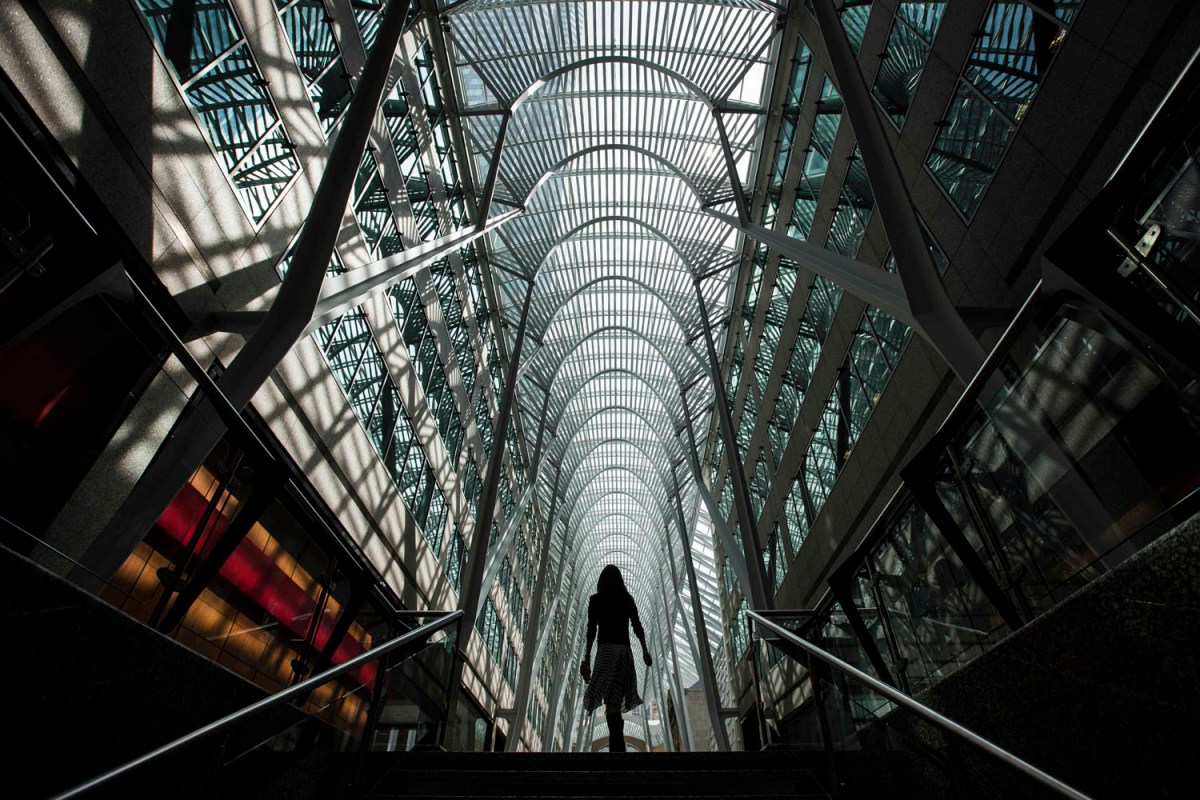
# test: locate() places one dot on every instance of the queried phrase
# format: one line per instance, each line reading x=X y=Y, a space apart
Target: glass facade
x=909 y=42
x=1018 y=41
x=225 y=89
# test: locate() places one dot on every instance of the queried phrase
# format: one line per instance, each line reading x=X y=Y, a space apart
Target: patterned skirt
x=614 y=679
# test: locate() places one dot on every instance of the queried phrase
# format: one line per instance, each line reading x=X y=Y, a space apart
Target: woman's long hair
x=611 y=582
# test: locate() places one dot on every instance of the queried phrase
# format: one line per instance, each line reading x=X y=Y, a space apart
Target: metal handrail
x=271 y=701
x=924 y=711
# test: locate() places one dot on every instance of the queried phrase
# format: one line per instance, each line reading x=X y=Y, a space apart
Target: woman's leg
x=616 y=727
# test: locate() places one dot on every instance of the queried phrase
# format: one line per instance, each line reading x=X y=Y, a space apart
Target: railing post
x=818 y=695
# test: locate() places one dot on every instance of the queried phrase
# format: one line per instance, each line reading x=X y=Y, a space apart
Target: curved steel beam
x=590 y=484
x=651 y=457
x=585 y=503
x=618 y=328
x=541 y=82
x=675 y=170
x=571 y=499
x=574 y=394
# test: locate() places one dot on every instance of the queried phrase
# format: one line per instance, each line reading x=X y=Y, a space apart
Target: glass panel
x=904 y=58
x=998 y=84
x=374 y=212
x=854 y=15
x=310 y=33
x=225 y=88
x=938 y=614
x=1099 y=411
x=825 y=126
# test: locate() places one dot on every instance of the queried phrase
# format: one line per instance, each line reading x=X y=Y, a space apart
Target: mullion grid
x=228 y=96
x=413 y=324
x=373 y=210
x=310 y=34
x=356 y=361
x=998 y=83
x=712 y=46
x=855 y=203
x=903 y=61
x=870 y=361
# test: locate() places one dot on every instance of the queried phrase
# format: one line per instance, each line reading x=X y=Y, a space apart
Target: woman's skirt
x=614 y=679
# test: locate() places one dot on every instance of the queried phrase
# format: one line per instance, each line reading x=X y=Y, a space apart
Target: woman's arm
x=636 y=623
x=585 y=666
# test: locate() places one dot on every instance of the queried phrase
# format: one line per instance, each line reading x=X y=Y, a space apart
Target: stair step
x=375 y=796
x=539 y=762
x=656 y=784
x=583 y=775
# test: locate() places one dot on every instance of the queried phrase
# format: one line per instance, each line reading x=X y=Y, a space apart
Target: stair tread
x=377 y=796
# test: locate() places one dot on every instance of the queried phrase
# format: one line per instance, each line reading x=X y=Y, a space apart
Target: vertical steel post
x=484 y=514
x=669 y=743
x=732 y=552
x=707 y=670
x=675 y=664
x=675 y=676
x=562 y=672
x=646 y=702
x=511 y=526
x=486 y=511
x=532 y=647
x=741 y=492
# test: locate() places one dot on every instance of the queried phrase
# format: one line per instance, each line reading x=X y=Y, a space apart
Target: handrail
x=924 y=711
x=270 y=701
x=5 y=521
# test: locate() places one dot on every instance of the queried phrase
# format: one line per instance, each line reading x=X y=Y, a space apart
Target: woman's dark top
x=613 y=614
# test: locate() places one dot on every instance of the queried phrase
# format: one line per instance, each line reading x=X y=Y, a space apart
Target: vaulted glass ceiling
x=616 y=125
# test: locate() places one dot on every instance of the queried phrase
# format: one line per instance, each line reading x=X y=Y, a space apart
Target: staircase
x=95 y=688
x=435 y=774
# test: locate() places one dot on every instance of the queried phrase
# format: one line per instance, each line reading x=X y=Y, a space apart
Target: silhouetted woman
x=613 y=682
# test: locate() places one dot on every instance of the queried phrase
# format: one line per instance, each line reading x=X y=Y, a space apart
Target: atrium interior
x=344 y=342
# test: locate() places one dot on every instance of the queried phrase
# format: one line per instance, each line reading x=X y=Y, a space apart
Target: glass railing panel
x=1027 y=543
x=1067 y=475
x=938 y=614
x=879 y=744
x=895 y=748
